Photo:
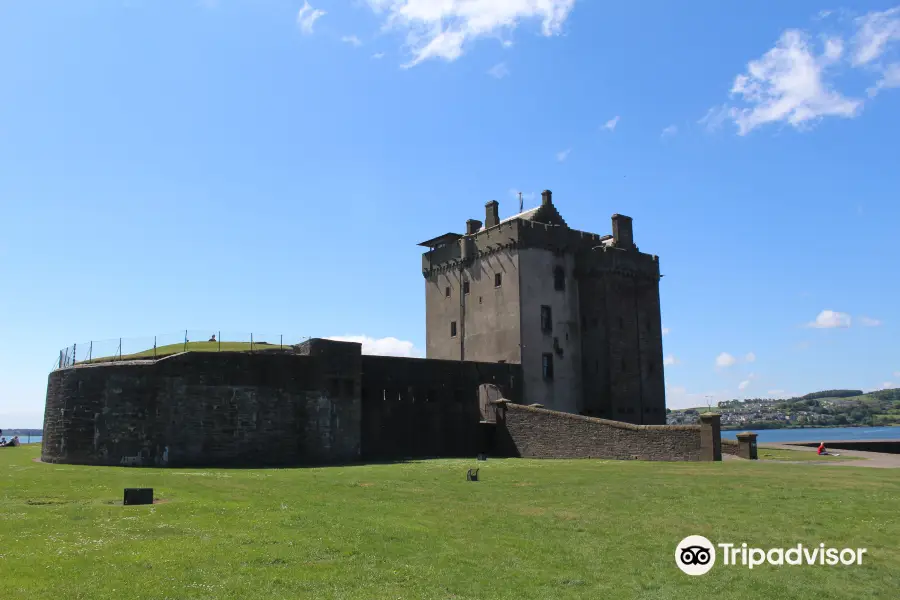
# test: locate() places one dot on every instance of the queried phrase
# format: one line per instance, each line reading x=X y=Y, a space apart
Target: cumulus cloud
x=307 y=17
x=725 y=360
x=498 y=71
x=352 y=40
x=388 y=346
x=743 y=385
x=829 y=319
x=751 y=357
x=793 y=83
x=788 y=84
x=562 y=156
x=378 y=55
x=611 y=124
x=887 y=385
x=869 y=322
x=669 y=131
x=444 y=28
x=670 y=360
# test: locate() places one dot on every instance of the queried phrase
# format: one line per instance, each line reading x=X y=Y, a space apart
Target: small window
x=546 y=319
x=547 y=366
x=498 y=278
x=452 y=328
x=447 y=292
x=465 y=287
x=559 y=279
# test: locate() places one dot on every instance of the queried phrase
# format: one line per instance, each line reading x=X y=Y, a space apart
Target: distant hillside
x=21 y=432
x=832 y=394
x=827 y=408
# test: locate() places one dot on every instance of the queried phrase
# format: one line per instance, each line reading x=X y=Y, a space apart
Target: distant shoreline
x=763 y=428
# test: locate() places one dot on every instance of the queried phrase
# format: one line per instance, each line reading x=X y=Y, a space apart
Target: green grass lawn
x=170 y=349
x=529 y=529
x=780 y=454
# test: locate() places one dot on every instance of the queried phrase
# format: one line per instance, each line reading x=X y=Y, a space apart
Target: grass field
x=170 y=349
x=791 y=455
x=529 y=529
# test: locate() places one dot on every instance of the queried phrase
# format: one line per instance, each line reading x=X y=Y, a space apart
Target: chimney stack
x=623 y=234
x=546 y=197
x=472 y=226
x=491 y=214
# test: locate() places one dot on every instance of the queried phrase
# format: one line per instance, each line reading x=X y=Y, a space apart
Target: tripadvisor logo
x=696 y=555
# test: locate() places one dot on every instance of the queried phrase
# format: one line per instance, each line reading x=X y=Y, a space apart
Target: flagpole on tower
x=520 y=202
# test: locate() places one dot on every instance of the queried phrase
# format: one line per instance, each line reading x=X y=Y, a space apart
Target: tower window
x=546 y=319
x=559 y=279
x=498 y=279
x=452 y=328
x=465 y=287
x=547 y=366
x=447 y=292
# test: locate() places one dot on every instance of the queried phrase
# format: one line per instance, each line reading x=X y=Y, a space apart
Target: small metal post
x=74 y=350
x=154 y=346
x=185 y=340
x=90 y=350
x=60 y=359
x=120 y=347
x=251 y=342
x=219 y=338
x=281 y=342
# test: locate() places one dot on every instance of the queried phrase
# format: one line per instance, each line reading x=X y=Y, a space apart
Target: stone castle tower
x=578 y=310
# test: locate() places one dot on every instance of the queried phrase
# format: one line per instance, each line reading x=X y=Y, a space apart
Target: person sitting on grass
x=822 y=451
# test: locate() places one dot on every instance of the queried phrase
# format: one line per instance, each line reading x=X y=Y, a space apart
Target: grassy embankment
x=528 y=529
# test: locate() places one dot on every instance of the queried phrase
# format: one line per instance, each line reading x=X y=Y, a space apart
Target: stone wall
x=321 y=403
x=532 y=432
x=414 y=407
x=200 y=408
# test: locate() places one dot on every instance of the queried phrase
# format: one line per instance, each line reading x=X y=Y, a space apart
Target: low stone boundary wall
x=730 y=447
x=532 y=432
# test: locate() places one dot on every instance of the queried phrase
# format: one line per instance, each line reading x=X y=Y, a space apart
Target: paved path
x=878 y=460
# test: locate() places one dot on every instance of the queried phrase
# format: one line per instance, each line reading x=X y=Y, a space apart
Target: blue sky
x=270 y=166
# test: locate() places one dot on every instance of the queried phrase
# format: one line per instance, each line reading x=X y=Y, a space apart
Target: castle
x=542 y=341
x=579 y=311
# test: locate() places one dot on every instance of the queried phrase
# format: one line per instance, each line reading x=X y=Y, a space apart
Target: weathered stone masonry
x=323 y=403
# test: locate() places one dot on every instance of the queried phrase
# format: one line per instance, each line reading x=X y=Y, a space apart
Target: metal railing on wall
x=158 y=346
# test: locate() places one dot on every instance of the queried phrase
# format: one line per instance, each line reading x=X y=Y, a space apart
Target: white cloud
x=442 y=28
x=307 y=17
x=875 y=31
x=887 y=385
x=352 y=40
x=787 y=85
x=562 y=156
x=750 y=357
x=829 y=319
x=665 y=331
x=670 y=360
x=678 y=397
x=792 y=83
x=498 y=71
x=378 y=55
x=669 y=131
x=869 y=322
x=890 y=78
x=743 y=385
x=611 y=124
x=388 y=346
x=896 y=373
x=725 y=360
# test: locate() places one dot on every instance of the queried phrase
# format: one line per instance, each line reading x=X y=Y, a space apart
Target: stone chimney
x=491 y=214
x=472 y=226
x=546 y=197
x=623 y=235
